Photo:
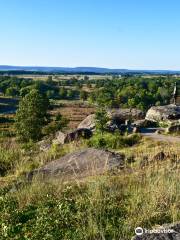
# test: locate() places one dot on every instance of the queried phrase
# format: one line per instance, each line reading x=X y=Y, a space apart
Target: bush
x=31 y=116
x=8 y=160
x=104 y=207
x=113 y=141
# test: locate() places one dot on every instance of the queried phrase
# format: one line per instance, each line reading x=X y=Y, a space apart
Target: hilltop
x=98 y=70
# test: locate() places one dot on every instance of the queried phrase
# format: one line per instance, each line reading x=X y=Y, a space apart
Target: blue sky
x=135 y=34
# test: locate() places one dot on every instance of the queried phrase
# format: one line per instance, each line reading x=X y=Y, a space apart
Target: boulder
x=120 y=115
x=142 y=123
x=136 y=130
x=88 y=122
x=173 y=128
x=165 y=232
x=44 y=145
x=112 y=127
x=82 y=163
x=163 y=113
x=62 y=138
x=159 y=131
x=116 y=116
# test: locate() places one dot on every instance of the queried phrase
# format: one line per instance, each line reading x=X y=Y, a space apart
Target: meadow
x=145 y=192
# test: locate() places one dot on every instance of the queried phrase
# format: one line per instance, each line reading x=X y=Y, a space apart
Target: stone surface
x=121 y=115
x=82 y=163
x=173 y=129
x=174 y=235
x=142 y=123
x=88 y=122
x=136 y=130
x=44 y=145
x=163 y=113
x=62 y=138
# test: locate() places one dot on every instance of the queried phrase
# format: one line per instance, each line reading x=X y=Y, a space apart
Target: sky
x=131 y=34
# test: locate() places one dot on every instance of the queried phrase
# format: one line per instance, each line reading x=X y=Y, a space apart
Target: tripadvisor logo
x=139 y=231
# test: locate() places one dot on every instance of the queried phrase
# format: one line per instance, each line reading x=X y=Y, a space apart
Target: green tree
x=62 y=93
x=12 y=91
x=83 y=95
x=101 y=120
x=70 y=93
x=58 y=124
x=31 y=116
x=49 y=80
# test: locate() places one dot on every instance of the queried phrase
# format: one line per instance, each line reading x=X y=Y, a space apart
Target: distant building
x=176 y=95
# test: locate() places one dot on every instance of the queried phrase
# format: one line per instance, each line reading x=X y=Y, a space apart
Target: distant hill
x=83 y=70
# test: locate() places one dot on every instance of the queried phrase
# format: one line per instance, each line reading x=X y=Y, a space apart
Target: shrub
x=31 y=116
x=113 y=141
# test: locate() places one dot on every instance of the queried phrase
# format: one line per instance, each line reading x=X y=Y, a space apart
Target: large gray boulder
x=174 y=128
x=62 y=138
x=121 y=115
x=82 y=163
x=88 y=122
x=163 y=113
x=117 y=116
x=165 y=232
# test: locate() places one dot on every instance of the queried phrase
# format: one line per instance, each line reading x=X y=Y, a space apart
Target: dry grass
x=74 y=112
x=108 y=206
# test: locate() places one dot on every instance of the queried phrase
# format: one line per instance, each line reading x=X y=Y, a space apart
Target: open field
x=60 y=77
x=74 y=111
x=141 y=190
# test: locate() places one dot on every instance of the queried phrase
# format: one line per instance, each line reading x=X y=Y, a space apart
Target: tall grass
x=101 y=207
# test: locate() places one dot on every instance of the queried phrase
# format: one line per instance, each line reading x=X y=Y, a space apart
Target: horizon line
x=111 y=68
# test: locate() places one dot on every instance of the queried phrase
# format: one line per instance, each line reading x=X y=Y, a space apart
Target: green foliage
x=113 y=140
x=12 y=91
x=31 y=116
x=57 y=124
x=132 y=91
x=83 y=95
x=101 y=120
x=8 y=159
x=105 y=207
x=62 y=92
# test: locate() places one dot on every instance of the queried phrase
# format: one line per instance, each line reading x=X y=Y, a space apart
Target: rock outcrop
x=121 y=115
x=62 y=138
x=163 y=113
x=143 y=123
x=117 y=117
x=82 y=163
x=88 y=122
x=165 y=232
x=174 y=128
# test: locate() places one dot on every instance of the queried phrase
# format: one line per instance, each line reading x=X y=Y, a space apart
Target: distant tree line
x=19 y=87
x=125 y=92
x=130 y=92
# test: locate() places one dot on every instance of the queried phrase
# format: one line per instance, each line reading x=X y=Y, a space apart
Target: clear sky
x=135 y=34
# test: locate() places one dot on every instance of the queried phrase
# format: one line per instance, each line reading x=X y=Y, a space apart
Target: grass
x=102 y=207
x=108 y=207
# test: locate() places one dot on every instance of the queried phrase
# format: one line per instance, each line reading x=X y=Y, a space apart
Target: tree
x=31 y=116
x=12 y=91
x=101 y=119
x=83 y=95
x=57 y=124
x=62 y=93
x=86 y=78
x=70 y=93
x=49 y=80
